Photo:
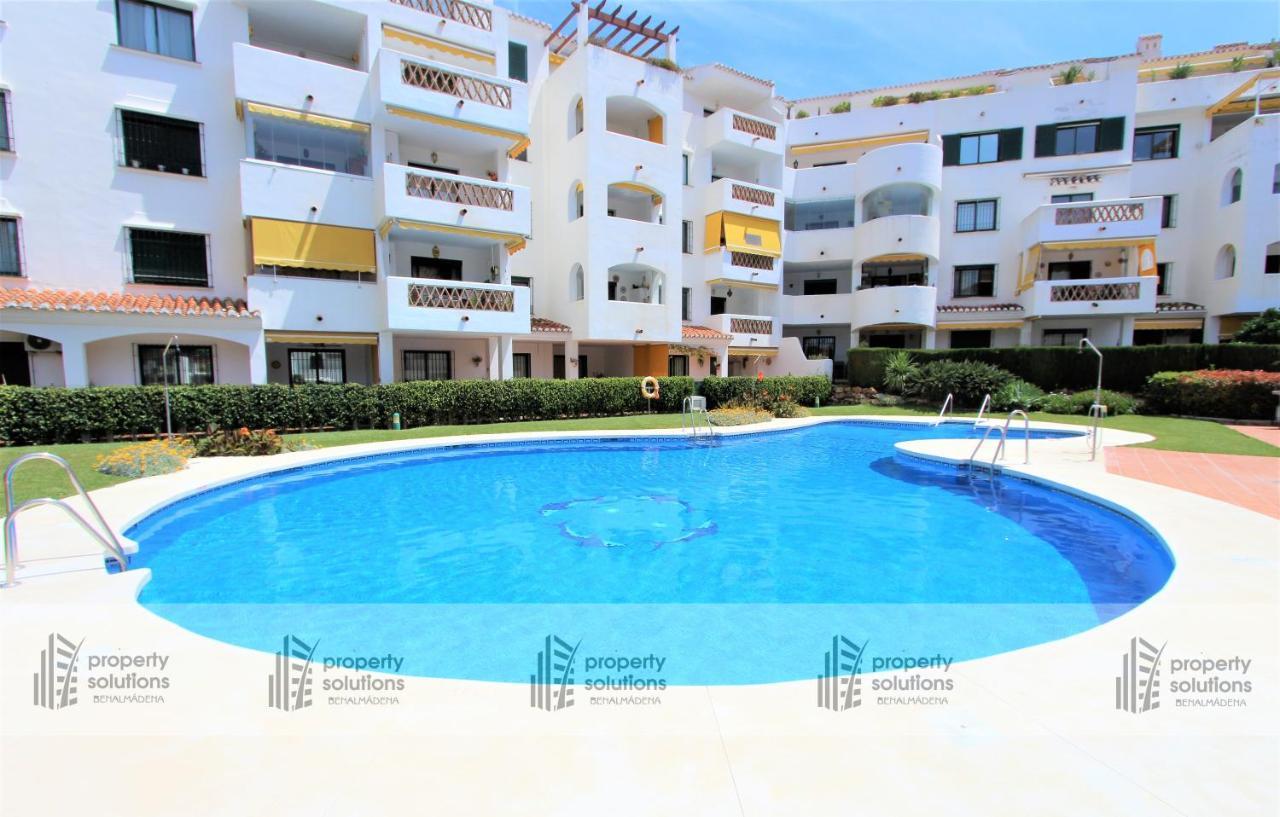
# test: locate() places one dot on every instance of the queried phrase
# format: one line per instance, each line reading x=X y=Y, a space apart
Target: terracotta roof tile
x=546 y=325
x=75 y=300
x=980 y=308
x=703 y=333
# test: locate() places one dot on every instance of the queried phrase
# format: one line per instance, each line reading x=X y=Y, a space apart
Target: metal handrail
x=999 y=452
x=986 y=403
x=946 y=406
x=1097 y=412
x=110 y=542
x=690 y=408
x=1026 y=430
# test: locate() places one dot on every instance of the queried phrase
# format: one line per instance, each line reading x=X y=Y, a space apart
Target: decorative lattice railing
x=457 y=296
x=1096 y=291
x=1099 y=213
x=434 y=78
x=755 y=127
x=752 y=195
x=456 y=10
x=751 y=260
x=457 y=191
x=751 y=326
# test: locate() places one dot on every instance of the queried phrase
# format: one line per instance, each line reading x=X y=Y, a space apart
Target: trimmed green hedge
x=32 y=416
x=1225 y=394
x=1125 y=368
x=806 y=390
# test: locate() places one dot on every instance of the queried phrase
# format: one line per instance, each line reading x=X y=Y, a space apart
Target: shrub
x=786 y=409
x=1237 y=64
x=1264 y=328
x=1117 y=403
x=738 y=416
x=1181 y=71
x=146 y=459
x=1017 y=394
x=663 y=62
x=1074 y=74
x=245 y=443
x=968 y=381
x=899 y=368
x=802 y=114
x=916 y=97
x=887 y=101
x=1228 y=394
x=806 y=390
x=841 y=107
x=1058 y=403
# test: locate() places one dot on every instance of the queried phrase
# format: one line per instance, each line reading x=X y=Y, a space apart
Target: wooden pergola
x=608 y=25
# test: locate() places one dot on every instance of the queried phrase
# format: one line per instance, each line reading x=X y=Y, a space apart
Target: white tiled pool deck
x=1033 y=731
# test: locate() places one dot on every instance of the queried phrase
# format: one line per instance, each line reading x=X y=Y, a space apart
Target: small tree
x=1264 y=328
x=802 y=114
x=841 y=107
x=1181 y=71
x=1237 y=64
x=1074 y=74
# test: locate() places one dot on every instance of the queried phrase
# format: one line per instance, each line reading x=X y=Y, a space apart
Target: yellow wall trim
x=729 y=282
x=988 y=325
x=510 y=239
x=1097 y=243
x=1170 y=323
x=351 y=339
x=752 y=351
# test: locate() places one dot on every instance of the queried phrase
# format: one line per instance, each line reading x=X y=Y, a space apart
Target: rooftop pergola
x=611 y=30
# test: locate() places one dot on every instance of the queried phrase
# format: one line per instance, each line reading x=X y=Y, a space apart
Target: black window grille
x=159 y=143
x=423 y=365
x=187 y=365
x=166 y=257
x=317 y=366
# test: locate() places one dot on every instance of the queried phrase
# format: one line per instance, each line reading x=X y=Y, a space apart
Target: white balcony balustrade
x=488 y=106
x=432 y=197
x=466 y=307
x=1097 y=296
x=762 y=331
x=735 y=129
x=1115 y=219
x=299 y=84
x=735 y=196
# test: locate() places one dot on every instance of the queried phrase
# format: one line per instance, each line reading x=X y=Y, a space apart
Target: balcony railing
x=457 y=296
x=434 y=78
x=752 y=195
x=456 y=191
x=456 y=10
x=750 y=260
x=750 y=326
x=755 y=127
x=1094 y=291
x=1099 y=213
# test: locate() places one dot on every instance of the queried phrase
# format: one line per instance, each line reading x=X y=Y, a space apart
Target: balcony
x=456 y=201
x=729 y=267
x=492 y=111
x=749 y=199
x=299 y=84
x=467 y=24
x=895 y=236
x=915 y=162
x=1086 y=298
x=915 y=305
x=749 y=331
x=271 y=190
x=739 y=132
x=816 y=309
x=292 y=303
x=464 y=307
x=1113 y=220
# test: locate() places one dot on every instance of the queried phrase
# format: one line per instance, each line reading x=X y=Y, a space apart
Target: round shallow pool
x=736 y=562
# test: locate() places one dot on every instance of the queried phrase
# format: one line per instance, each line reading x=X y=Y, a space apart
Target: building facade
x=322 y=192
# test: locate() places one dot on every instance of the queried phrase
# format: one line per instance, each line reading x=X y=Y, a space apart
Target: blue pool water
x=736 y=561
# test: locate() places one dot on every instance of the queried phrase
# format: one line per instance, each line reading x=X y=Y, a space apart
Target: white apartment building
x=303 y=191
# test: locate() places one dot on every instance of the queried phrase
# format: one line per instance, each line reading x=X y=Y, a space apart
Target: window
x=1225 y=264
x=719 y=304
x=158 y=29
x=894 y=274
x=522 y=365
x=420 y=365
x=304 y=144
x=1072 y=138
x=1162 y=278
x=1155 y=143
x=982 y=148
x=165 y=257
x=328 y=366
x=1168 y=211
x=686 y=304
x=975 y=216
x=159 y=143
x=1069 y=198
x=819 y=286
x=819 y=346
x=977 y=281
x=10 y=249
x=187 y=365
x=830 y=164
x=1070 y=270
x=686 y=237
x=1275 y=180
x=970 y=338
x=678 y=366
x=518 y=61
x=1235 y=186
x=1063 y=337
x=827 y=214
x=437 y=269
x=687 y=160
x=1272 y=265
x=897 y=199
x=6 y=142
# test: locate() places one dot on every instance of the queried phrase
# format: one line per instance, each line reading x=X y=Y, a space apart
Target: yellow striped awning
x=425 y=41
x=730 y=282
x=742 y=233
x=1169 y=323
x=312 y=246
x=986 y=325
x=714 y=232
x=514 y=137
x=300 y=116
x=510 y=239
x=1097 y=243
x=348 y=338
x=752 y=351
x=863 y=143
x=636 y=187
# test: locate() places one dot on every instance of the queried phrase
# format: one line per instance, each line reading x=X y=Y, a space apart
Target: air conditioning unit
x=35 y=343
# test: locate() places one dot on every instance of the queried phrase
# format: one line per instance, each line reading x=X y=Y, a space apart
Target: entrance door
x=583 y=368
x=557 y=367
x=14 y=369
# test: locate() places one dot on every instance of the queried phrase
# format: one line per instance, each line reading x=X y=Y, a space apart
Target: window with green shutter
x=1073 y=138
x=518 y=61
x=982 y=148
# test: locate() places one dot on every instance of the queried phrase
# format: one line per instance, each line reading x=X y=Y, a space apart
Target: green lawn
x=44 y=479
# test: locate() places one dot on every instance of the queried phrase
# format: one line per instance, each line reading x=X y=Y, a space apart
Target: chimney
x=1149 y=46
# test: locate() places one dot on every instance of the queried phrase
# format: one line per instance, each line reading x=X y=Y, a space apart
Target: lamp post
x=164 y=363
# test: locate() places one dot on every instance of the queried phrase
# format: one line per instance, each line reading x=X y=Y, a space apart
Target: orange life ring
x=650 y=388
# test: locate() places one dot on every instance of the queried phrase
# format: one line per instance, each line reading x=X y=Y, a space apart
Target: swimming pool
x=736 y=561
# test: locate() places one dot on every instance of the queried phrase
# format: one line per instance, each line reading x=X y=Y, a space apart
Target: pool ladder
x=693 y=408
x=106 y=538
x=946 y=407
x=1004 y=439
x=982 y=410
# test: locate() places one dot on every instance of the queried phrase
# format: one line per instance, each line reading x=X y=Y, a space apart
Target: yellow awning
x=730 y=282
x=752 y=351
x=313 y=246
x=751 y=234
x=424 y=41
x=1097 y=243
x=1237 y=93
x=988 y=325
x=301 y=116
x=864 y=143
x=636 y=187
x=513 y=136
x=348 y=338
x=1228 y=325
x=714 y=232
x=515 y=247
x=1170 y=323
x=518 y=148
x=510 y=239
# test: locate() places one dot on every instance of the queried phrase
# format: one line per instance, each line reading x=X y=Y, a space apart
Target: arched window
x=576 y=201
x=1234 y=187
x=634 y=117
x=577 y=283
x=576 y=117
x=1225 y=265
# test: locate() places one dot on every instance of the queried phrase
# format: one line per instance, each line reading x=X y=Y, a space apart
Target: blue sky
x=813 y=47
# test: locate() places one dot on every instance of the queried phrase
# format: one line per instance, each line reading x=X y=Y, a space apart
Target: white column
x=258 y=359
x=571 y=360
x=1212 y=325
x=855 y=337
x=1126 y=331
x=1024 y=333
x=722 y=362
x=501 y=365
x=386 y=357
x=930 y=338
x=75 y=364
